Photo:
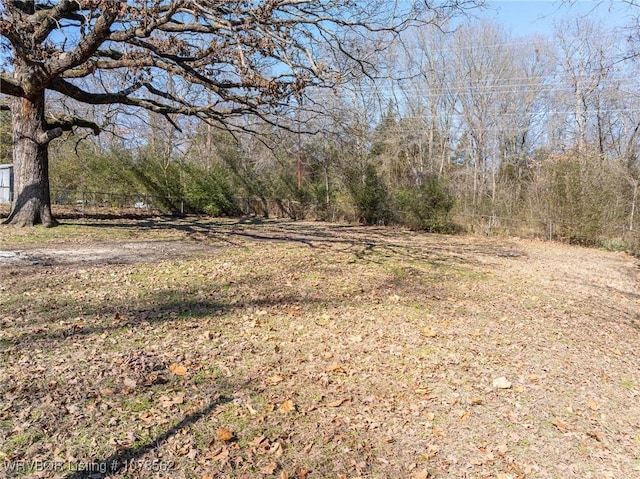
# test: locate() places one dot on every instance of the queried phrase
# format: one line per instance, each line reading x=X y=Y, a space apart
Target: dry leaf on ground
x=287 y=406
x=224 y=434
x=271 y=380
x=269 y=468
x=429 y=332
x=560 y=424
x=178 y=369
x=594 y=406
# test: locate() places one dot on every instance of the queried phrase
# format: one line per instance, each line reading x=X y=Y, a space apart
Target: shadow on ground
x=360 y=240
x=127 y=460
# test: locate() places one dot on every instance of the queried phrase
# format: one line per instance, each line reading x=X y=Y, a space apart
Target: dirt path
x=101 y=253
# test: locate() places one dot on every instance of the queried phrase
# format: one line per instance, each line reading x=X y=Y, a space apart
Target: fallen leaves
x=106 y=391
x=462 y=415
x=208 y=335
x=301 y=473
x=429 y=333
x=178 y=369
x=287 y=406
x=421 y=475
x=597 y=435
x=338 y=402
x=273 y=380
x=431 y=452
x=336 y=368
x=167 y=401
x=353 y=393
x=220 y=454
x=594 y=406
x=276 y=449
x=224 y=434
x=269 y=468
x=504 y=475
x=562 y=426
x=154 y=378
x=130 y=383
x=424 y=390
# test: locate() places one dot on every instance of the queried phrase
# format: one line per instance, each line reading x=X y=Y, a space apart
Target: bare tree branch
x=45 y=136
x=215 y=60
x=67 y=123
x=48 y=19
x=86 y=47
x=9 y=87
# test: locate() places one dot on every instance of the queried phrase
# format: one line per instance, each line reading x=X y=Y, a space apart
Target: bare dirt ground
x=152 y=348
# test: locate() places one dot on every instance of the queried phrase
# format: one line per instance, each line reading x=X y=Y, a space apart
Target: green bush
x=614 y=245
x=426 y=207
x=163 y=180
x=180 y=186
x=369 y=195
x=86 y=167
x=208 y=192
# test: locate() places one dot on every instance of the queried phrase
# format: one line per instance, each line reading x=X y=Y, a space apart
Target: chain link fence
x=94 y=202
x=88 y=203
x=613 y=236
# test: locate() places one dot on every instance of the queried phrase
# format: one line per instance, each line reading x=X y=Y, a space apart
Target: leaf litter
x=312 y=350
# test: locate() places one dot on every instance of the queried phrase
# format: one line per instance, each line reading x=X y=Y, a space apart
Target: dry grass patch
x=320 y=351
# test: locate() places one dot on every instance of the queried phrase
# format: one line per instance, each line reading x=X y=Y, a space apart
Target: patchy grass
x=310 y=350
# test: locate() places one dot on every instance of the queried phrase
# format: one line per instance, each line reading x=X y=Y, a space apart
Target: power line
x=533 y=40
x=469 y=86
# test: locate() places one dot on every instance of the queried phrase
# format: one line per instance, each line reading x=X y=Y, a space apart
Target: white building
x=6 y=183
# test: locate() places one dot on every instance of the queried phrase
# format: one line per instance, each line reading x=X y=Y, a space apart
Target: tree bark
x=31 y=199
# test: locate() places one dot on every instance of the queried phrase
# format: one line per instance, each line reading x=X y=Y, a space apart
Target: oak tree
x=212 y=59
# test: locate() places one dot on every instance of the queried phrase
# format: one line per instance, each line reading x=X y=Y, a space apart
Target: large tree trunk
x=31 y=199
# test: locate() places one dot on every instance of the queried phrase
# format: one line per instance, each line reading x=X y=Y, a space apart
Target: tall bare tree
x=224 y=58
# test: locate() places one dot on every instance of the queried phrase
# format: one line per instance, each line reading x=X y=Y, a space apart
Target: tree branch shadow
x=101 y=320
x=121 y=460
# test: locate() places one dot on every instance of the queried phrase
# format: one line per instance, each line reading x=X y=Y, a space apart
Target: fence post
x=550 y=230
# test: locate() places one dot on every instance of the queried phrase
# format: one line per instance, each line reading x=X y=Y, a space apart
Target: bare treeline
x=473 y=127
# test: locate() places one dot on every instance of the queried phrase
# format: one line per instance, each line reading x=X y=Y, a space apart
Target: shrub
x=369 y=195
x=614 y=245
x=208 y=192
x=426 y=207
